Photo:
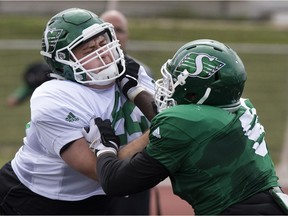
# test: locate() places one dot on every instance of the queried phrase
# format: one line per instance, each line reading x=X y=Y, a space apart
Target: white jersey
x=59 y=111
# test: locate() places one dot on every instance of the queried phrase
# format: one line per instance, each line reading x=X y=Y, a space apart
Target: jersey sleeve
x=123 y=177
x=169 y=141
x=54 y=137
x=57 y=118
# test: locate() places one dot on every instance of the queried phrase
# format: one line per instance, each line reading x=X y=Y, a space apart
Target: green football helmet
x=70 y=28
x=202 y=72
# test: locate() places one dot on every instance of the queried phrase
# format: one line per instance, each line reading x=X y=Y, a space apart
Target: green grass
x=267 y=74
x=24 y=27
x=186 y=30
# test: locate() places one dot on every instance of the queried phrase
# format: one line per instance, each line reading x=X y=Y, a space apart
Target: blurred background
x=257 y=30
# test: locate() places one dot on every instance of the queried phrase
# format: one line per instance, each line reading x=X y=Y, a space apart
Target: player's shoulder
x=58 y=92
x=193 y=112
x=61 y=84
x=55 y=99
x=184 y=117
x=59 y=87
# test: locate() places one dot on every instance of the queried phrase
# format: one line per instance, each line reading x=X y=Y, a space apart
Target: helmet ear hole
x=190 y=96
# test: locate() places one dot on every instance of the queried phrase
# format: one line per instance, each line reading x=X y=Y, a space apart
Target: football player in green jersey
x=206 y=139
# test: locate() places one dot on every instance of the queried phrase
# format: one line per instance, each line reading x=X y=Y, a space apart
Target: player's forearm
x=145 y=102
x=123 y=177
x=135 y=146
x=115 y=178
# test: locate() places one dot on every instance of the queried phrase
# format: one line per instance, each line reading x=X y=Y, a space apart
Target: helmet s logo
x=200 y=65
x=51 y=37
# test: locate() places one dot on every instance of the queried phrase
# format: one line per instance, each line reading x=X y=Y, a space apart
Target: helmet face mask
x=72 y=28
x=202 y=72
x=165 y=88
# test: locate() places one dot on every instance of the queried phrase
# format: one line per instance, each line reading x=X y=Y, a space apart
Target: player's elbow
x=113 y=189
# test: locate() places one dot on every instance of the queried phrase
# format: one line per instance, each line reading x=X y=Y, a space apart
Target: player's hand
x=109 y=141
x=92 y=135
x=128 y=82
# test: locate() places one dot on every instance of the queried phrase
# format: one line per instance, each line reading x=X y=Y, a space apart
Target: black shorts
x=259 y=204
x=16 y=198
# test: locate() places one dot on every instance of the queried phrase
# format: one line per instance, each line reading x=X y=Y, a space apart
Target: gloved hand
x=128 y=82
x=101 y=137
x=110 y=142
x=92 y=135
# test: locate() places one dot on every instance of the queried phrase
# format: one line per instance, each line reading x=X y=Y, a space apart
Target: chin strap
x=232 y=107
x=57 y=76
x=205 y=96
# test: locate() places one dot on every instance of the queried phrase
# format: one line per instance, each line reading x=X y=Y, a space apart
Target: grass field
x=267 y=73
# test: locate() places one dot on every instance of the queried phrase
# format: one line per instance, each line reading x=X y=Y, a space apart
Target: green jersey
x=215 y=158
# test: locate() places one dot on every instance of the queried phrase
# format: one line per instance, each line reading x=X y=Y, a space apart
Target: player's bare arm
x=111 y=171
x=134 y=91
x=78 y=156
x=135 y=146
x=145 y=102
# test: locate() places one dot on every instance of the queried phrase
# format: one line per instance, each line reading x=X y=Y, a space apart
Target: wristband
x=133 y=92
x=105 y=151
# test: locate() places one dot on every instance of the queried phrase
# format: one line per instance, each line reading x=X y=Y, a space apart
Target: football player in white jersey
x=54 y=172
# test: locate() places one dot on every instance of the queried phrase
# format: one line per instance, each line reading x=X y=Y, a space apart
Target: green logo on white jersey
x=71 y=117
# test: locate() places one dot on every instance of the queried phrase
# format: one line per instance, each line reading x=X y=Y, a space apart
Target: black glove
x=109 y=141
x=101 y=137
x=128 y=82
